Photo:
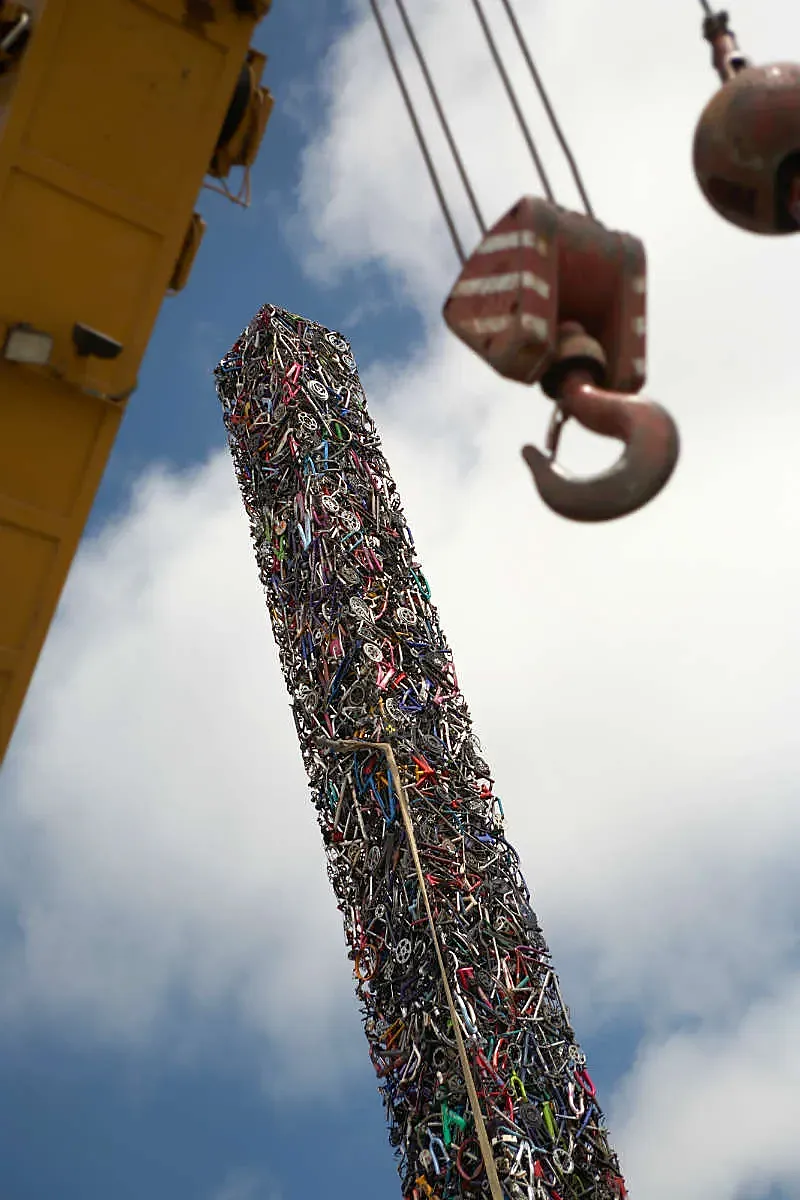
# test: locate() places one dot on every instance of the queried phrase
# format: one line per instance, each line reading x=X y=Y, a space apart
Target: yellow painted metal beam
x=108 y=123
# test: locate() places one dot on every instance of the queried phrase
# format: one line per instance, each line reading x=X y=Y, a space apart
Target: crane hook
x=553 y=297
x=652 y=446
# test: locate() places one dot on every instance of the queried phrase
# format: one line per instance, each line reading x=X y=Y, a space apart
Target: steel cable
x=423 y=145
x=440 y=112
x=545 y=99
x=512 y=95
x=434 y=95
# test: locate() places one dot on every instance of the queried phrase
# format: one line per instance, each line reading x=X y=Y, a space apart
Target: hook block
x=538 y=267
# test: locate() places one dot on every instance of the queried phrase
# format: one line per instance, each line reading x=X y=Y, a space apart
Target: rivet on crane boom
x=112 y=114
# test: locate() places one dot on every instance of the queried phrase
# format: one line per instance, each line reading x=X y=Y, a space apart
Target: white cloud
x=636 y=699
x=154 y=820
x=725 y=1104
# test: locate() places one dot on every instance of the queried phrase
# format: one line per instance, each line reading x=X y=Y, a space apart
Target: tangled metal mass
x=451 y=966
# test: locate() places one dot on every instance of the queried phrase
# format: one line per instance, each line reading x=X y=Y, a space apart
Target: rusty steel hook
x=652 y=446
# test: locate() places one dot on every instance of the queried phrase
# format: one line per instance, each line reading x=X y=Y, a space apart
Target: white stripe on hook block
x=529 y=322
x=511 y=241
x=488 y=284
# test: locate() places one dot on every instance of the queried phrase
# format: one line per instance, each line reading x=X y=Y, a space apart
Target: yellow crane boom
x=112 y=112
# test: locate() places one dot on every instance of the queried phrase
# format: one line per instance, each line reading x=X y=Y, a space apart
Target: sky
x=177 y=1015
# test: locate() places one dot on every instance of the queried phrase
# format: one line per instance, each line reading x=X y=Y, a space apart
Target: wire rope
x=512 y=95
x=440 y=113
x=548 y=107
x=515 y=104
x=423 y=145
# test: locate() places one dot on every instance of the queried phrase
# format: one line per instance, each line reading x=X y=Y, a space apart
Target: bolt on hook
x=652 y=447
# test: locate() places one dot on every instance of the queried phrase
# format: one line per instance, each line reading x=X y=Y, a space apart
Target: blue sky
x=178 y=1017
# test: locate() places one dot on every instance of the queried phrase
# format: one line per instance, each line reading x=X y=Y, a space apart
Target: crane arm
x=111 y=116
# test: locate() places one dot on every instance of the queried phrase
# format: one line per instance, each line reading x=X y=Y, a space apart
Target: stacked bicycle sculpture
x=364 y=657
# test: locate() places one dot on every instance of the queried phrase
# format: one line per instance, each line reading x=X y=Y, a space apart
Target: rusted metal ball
x=747 y=149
